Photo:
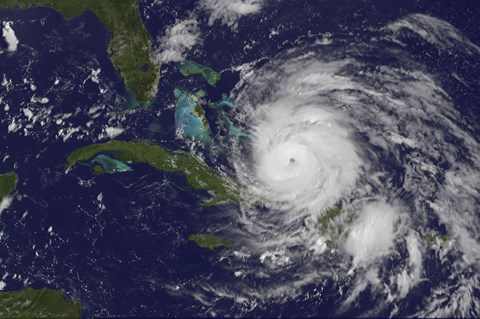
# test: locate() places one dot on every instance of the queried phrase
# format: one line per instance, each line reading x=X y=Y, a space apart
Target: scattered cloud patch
x=230 y=11
x=178 y=39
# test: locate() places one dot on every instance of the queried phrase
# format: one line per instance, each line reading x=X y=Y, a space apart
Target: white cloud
x=5 y=203
x=113 y=132
x=9 y=36
x=372 y=236
x=230 y=11
x=437 y=32
x=297 y=153
x=178 y=39
x=408 y=279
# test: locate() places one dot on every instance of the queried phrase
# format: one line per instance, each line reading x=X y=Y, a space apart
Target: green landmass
x=332 y=224
x=210 y=241
x=97 y=170
x=130 y=45
x=188 y=68
x=190 y=115
x=199 y=113
x=324 y=222
x=8 y=182
x=31 y=303
x=431 y=239
x=198 y=174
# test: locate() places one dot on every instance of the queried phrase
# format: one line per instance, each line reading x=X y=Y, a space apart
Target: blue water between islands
x=118 y=241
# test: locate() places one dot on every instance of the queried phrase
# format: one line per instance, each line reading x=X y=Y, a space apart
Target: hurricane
x=303 y=156
x=365 y=175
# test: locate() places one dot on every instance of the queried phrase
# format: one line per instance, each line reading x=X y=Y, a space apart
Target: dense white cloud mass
x=336 y=126
x=303 y=154
x=372 y=236
x=9 y=37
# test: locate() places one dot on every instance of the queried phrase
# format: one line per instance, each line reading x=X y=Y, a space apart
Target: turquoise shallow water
x=109 y=164
x=191 y=124
x=119 y=242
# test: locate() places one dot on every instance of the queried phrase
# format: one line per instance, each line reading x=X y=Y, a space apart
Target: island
x=324 y=222
x=130 y=46
x=433 y=239
x=218 y=108
x=198 y=174
x=210 y=241
x=8 y=182
x=333 y=224
x=190 y=119
x=188 y=68
x=38 y=303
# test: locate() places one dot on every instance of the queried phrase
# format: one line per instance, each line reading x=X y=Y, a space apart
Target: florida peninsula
x=130 y=46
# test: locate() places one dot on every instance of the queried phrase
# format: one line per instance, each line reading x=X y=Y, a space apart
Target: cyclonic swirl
x=362 y=126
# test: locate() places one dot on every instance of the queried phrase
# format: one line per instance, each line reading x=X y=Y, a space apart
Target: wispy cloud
x=437 y=32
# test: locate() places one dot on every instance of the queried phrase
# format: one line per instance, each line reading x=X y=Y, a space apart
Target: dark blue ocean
x=117 y=243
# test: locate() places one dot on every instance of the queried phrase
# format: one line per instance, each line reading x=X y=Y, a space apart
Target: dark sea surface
x=118 y=243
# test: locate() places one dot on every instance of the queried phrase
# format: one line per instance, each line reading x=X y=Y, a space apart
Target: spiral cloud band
x=303 y=156
x=361 y=157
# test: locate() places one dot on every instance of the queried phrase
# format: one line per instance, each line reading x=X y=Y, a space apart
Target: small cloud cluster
x=178 y=39
x=230 y=11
